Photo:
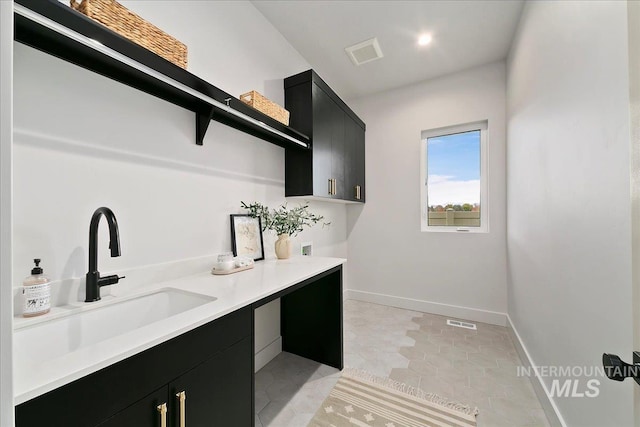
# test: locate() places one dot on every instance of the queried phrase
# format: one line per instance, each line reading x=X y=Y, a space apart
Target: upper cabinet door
x=334 y=167
x=354 y=160
x=358 y=164
x=322 y=146
x=337 y=151
x=328 y=146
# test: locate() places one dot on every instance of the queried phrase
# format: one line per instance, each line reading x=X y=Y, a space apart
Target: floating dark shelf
x=58 y=30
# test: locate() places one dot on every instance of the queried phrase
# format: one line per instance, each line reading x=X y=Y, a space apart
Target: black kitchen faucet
x=94 y=281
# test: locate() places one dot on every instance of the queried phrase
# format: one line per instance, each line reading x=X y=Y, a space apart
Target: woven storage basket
x=265 y=106
x=118 y=18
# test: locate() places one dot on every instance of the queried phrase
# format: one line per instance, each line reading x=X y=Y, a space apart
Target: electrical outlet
x=306 y=249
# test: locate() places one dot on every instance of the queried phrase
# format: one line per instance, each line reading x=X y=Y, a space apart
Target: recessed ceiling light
x=424 y=39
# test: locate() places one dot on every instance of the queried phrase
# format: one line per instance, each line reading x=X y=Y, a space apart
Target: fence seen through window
x=454 y=182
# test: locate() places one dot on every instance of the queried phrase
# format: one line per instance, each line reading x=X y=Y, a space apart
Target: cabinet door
x=328 y=146
x=143 y=413
x=323 y=115
x=354 y=161
x=357 y=163
x=338 y=151
x=219 y=392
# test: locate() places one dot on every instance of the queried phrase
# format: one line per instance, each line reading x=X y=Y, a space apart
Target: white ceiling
x=465 y=34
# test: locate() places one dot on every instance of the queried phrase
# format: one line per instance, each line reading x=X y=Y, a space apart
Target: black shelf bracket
x=203 y=119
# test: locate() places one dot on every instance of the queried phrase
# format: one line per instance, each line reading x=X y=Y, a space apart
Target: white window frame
x=483 y=127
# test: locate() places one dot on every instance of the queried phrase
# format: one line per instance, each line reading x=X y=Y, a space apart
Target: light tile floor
x=477 y=368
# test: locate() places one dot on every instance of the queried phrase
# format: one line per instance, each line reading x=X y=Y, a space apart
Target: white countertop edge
x=75 y=365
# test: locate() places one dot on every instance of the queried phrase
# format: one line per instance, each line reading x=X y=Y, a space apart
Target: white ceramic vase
x=283 y=246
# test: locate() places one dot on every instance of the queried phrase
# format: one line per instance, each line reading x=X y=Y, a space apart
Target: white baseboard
x=267 y=354
x=464 y=313
x=548 y=403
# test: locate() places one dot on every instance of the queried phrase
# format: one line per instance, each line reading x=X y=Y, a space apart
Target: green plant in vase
x=286 y=222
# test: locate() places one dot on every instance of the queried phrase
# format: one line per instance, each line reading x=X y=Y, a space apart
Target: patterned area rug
x=363 y=400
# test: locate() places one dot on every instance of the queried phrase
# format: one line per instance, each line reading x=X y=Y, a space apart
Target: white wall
x=84 y=141
x=6 y=309
x=633 y=19
x=390 y=260
x=569 y=225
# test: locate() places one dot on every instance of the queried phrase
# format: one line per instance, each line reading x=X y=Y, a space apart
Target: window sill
x=450 y=229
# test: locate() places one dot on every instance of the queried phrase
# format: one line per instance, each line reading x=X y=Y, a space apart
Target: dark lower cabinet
x=215 y=393
x=212 y=364
x=311 y=321
x=143 y=413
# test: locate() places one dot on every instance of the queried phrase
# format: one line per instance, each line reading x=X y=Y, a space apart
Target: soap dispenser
x=36 y=292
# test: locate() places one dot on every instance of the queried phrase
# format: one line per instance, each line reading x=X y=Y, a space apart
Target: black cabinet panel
x=214 y=390
x=311 y=320
x=322 y=146
x=335 y=166
x=144 y=413
x=338 y=151
x=354 y=162
x=350 y=157
x=218 y=392
x=298 y=170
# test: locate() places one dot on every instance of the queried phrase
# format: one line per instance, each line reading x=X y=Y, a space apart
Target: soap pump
x=36 y=292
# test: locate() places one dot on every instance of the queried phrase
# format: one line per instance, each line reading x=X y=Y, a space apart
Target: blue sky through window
x=453 y=167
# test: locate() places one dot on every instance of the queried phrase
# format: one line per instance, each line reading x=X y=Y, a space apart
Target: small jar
x=225 y=257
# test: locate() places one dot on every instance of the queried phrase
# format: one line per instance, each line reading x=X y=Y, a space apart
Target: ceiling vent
x=364 y=52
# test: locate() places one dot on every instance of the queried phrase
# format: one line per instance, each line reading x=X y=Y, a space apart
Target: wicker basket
x=265 y=106
x=118 y=18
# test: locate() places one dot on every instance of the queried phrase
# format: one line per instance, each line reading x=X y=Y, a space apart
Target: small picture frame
x=246 y=237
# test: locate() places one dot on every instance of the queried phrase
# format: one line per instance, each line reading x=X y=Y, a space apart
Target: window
x=454 y=178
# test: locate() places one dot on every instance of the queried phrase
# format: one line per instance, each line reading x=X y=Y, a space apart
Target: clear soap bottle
x=36 y=292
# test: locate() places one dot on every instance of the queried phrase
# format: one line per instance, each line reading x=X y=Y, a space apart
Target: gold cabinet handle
x=332 y=187
x=358 y=192
x=182 y=397
x=162 y=409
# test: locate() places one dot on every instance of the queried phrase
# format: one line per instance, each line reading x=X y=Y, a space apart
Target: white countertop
x=232 y=291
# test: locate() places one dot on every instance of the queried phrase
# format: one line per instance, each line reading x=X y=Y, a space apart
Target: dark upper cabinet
x=334 y=167
x=354 y=161
x=323 y=113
